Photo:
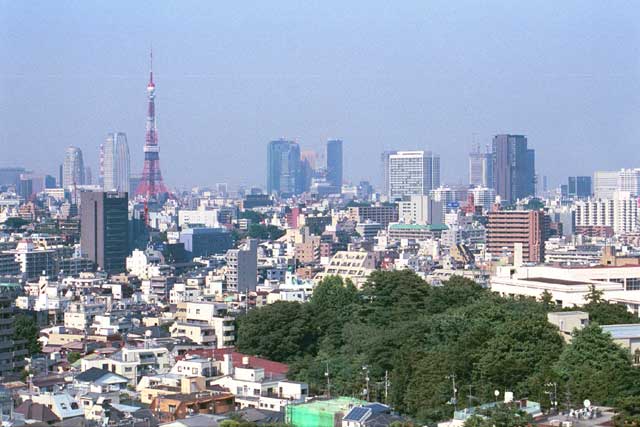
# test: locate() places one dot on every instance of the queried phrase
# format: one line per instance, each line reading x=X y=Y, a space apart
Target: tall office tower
x=505 y=229
x=513 y=167
x=413 y=173
x=384 y=158
x=480 y=168
x=334 y=163
x=88 y=176
x=104 y=224
x=242 y=267
x=605 y=184
x=115 y=163
x=283 y=168
x=308 y=170
x=72 y=168
x=151 y=185
x=579 y=186
x=10 y=176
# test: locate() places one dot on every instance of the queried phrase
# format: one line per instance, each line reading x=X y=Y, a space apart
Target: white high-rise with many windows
x=72 y=168
x=115 y=163
x=413 y=173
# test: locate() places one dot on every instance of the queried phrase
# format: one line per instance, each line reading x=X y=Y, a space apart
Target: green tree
x=253 y=216
x=502 y=415
x=281 y=331
x=332 y=305
x=15 y=223
x=627 y=412
x=27 y=329
x=594 y=367
x=73 y=356
x=606 y=313
x=594 y=296
x=265 y=232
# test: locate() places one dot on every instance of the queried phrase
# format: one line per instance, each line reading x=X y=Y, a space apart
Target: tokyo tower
x=151 y=185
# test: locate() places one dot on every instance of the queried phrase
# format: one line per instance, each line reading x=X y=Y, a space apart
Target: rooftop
x=623 y=331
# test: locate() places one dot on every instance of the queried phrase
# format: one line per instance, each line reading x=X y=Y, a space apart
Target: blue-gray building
x=206 y=241
x=284 y=169
x=334 y=163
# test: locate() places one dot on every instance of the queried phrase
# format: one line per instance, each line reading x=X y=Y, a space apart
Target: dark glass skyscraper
x=284 y=176
x=104 y=224
x=513 y=167
x=334 y=163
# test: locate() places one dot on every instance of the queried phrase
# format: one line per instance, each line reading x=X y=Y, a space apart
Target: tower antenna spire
x=151 y=65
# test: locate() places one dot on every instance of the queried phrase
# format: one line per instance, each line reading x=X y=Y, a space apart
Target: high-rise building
x=308 y=168
x=505 y=229
x=629 y=180
x=283 y=168
x=242 y=267
x=483 y=196
x=480 y=168
x=413 y=173
x=10 y=176
x=115 y=163
x=619 y=212
x=73 y=168
x=384 y=158
x=151 y=185
x=605 y=184
x=104 y=236
x=334 y=163
x=513 y=167
x=579 y=186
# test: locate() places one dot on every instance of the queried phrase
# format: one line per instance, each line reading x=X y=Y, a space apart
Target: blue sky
x=405 y=75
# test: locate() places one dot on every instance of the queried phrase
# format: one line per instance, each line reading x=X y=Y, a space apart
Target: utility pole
x=454 y=398
x=326 y=374
x=386 y=387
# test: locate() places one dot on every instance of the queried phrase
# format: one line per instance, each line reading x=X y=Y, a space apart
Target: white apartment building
x=605 y=183
x=420 y=209
x=131 y=362
x=620 y=212
x=483 y=196
x=629 y=180
x=242 y=267
x=204 y=322
x=205 y=217
x=413 y=173
x=570 y=285
x=353 y=265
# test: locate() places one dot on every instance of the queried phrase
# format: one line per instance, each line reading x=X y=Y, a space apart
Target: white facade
x=483 y=196
x=413 y=173
x=207 y=218
x=620 y=212
x=570 y=286
x=420 y=210
x=242 y=267
x=116 y=167
x=605 y=183
x=629 y=180
x=72 y=168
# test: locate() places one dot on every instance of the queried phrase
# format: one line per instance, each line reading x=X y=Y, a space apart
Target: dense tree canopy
x=27 y=329
x=420 y=337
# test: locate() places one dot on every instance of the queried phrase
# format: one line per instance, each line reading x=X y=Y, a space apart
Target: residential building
x=484 y=197
x=413 y=173
x=420 y=210
x=353 y=265
x=178 y=406
x=507 y=229
x=382 y=214
x=605 y=184
x=131 y=362
x=242 y=267
x=104 y=232
x=620 y=213
x=198 y=217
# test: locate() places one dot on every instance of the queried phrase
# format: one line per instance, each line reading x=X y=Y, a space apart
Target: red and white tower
x=151 y=185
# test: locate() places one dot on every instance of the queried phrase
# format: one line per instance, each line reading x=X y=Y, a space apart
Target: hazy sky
x=395 y=74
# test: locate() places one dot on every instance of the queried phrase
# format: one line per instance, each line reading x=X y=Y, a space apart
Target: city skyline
x=208 y=100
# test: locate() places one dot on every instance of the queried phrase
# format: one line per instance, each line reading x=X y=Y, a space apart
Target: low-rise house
x=100 y=381
x=179 y=406
x=131 y=362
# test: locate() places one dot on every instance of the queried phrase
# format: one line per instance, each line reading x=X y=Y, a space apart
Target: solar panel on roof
x=356 y=414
